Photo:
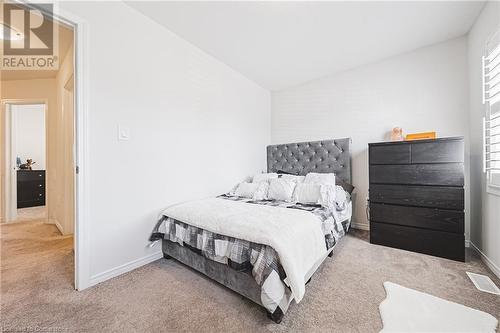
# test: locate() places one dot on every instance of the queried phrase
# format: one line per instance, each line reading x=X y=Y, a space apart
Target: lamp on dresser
x=416 y=196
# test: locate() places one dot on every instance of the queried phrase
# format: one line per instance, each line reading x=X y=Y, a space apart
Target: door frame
x=9 y=187
x=80 y=95
x=81 y=152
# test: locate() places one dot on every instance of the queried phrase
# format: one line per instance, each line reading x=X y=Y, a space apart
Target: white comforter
x=294 y=234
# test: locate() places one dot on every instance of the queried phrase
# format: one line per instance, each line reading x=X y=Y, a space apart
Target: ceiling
x=282 y=44
x=64 y=38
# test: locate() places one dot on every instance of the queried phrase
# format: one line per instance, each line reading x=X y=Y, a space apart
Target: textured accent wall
x=423 y=90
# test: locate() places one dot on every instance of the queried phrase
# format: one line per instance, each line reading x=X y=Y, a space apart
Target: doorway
x=25 y=161
x=38 y=209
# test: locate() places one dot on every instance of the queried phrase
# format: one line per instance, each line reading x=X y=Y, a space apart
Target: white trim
x=492 y=189
x=57 y=224
x=467 y=243
x=11 y=196
x=82 y=210
x=10 y=175
x=360 y=226
x=491 y=265
x=127 y=267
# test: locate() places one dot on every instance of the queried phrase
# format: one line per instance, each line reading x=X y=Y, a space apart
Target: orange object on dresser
x=421 y=136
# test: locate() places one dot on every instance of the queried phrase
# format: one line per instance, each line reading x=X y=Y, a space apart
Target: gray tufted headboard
x=317 y=156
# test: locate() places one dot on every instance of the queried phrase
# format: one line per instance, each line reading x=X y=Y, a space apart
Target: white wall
x=419 y=91
x=196 y=128
x=485 y=208
x=30 y=133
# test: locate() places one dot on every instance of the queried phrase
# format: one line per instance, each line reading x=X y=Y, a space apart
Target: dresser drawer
x=414 y=195
x=449 y=174
x=438 y=152
x=38 y=184
x=30 y=194
x=30 y=175
x=437 y=243
x=421 y=217
x=31 y=203
x=390 y=154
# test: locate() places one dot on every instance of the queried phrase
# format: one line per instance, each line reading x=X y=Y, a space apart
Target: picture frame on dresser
x=416 y=196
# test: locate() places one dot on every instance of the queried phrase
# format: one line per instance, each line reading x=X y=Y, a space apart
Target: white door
x=69 y=157
x=10 y=166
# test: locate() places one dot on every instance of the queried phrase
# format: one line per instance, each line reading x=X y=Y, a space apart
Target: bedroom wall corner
x=422 y=90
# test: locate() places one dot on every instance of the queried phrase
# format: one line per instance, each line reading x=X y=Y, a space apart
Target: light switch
x=123 y=133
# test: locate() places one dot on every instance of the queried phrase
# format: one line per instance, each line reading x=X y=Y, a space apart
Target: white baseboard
x=491 y=265
x=127 y=267
x=361 y=226
x=57 y=224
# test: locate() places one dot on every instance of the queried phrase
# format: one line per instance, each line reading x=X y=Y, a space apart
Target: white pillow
x=323 y=195
x=320 y=178
x=307 y=193
x=293 y=178
x=255 y=191
x=246 y=190
x=261 y=193
x=281 y=189
x=264 y=177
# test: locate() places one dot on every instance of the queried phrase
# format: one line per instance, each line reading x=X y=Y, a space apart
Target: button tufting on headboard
x=318 y=156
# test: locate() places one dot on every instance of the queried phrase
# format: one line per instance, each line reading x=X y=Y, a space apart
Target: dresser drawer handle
x=40 y=195
x=40 y=185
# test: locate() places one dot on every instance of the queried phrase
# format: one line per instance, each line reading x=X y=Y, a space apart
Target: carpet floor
x=165 y=296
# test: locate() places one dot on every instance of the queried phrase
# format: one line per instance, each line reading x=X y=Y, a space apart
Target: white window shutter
x=491 y=99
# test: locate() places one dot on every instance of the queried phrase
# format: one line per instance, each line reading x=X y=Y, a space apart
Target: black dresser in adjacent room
x=417 y=196
x=30 y=188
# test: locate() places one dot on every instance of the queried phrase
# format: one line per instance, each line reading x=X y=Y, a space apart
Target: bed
x=265 y=250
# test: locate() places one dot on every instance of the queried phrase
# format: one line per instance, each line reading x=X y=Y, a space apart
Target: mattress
x=259 y=260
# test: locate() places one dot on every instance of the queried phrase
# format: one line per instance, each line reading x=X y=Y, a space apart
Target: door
x=69 y=157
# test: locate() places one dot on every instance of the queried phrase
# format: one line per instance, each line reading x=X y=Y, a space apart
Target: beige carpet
x=31 y=214
x=37 y=290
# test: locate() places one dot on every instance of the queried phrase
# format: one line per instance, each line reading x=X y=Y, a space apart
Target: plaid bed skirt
x=262 y=260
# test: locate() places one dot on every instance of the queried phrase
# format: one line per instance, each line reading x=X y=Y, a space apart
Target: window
x=491 y=124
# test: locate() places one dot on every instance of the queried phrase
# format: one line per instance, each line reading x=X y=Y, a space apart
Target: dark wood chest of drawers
x=417 y=196
x=30 y=188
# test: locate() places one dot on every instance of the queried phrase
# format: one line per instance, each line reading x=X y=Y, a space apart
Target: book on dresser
x=416 y=196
